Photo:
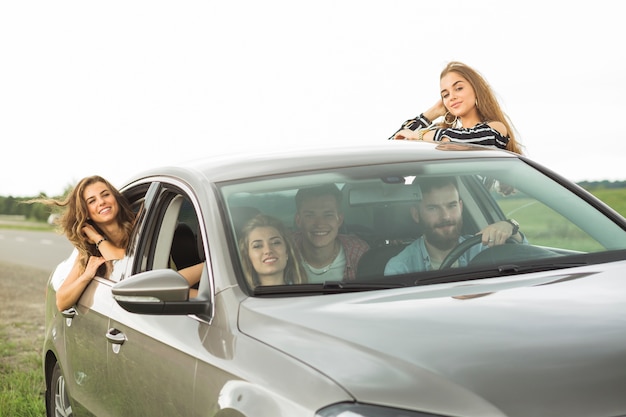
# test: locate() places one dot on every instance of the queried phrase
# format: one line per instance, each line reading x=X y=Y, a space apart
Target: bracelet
x=515 y=225
x=99 y=242
x=420 y=134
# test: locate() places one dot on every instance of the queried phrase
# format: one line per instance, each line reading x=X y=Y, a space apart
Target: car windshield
x=388 y=225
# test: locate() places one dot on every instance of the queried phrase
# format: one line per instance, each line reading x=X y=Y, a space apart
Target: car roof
x=228 y=167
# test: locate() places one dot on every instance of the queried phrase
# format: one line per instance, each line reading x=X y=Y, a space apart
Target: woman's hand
x=93 y=264
x=436 y=111
x=91 y=234
x=75 y=283
x=406 y=134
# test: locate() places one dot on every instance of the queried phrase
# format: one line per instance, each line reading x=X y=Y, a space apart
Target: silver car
x=530 y=328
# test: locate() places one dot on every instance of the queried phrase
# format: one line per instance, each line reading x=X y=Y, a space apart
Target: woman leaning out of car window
x=98 y=221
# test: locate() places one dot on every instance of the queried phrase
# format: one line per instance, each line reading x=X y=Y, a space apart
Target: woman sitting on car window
x=469 y=113
x=98 y=221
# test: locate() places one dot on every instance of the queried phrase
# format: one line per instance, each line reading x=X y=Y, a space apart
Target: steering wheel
x=463 y=247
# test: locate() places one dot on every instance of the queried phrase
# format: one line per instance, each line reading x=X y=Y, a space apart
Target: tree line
x=17 y=206
x=596 y=185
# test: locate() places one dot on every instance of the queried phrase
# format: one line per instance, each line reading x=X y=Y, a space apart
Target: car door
x=86 y=348
x=154 y=365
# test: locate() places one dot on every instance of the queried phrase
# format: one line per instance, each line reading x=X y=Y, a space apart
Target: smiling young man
x=327 y=254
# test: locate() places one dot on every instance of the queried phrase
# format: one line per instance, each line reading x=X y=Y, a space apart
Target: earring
x=476 y=103
x=447 y=121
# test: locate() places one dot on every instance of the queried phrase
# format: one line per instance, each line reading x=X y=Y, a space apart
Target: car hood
x=531 y=345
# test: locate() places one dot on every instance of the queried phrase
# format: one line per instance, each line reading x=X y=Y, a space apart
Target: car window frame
x=162 y=192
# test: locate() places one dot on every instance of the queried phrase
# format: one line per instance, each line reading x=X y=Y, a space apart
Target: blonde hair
x=294 y=272
x=75 y=215
x=486 y=103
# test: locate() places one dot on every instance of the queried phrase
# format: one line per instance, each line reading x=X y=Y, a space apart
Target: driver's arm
x=497 y=233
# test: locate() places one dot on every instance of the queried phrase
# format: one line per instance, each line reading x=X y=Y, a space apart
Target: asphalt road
x=34 y=249
x=26 y=260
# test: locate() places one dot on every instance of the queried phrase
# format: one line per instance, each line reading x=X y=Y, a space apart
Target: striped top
x=481 y=134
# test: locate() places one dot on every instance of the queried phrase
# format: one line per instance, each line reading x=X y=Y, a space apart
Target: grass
x=21 y=394
x=543 y=226
x=614 y=198
x=34 y=226
x=21 y=379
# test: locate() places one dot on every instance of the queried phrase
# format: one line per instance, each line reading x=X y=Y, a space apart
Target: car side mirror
x=159 y=292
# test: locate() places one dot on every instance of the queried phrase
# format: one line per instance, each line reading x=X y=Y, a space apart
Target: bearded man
x=439 y=212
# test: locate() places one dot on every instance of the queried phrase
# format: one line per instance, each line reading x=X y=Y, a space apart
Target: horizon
x=590 y=182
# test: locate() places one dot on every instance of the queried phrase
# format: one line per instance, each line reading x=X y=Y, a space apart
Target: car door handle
x=116 y=337
x=69 y=313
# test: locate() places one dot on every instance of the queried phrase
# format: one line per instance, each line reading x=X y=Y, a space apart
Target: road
x=34 y=249
x=26 y=260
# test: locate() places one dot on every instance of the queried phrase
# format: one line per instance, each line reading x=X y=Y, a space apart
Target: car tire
x=57 y=400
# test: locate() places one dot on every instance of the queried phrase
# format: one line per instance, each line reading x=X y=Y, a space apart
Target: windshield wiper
x=513 y=268
x=474 y=273
x=329 y=287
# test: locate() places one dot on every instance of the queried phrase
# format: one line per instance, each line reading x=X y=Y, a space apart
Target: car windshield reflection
x=362 y=228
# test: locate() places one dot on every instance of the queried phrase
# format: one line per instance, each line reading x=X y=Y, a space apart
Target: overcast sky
x=115 y=87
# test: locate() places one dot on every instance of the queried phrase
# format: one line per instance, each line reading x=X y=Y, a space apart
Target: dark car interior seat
x=185 y=247
x=395 y=228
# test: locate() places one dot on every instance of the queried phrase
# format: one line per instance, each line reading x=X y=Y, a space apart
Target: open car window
x=136 y=196
x=376 y=204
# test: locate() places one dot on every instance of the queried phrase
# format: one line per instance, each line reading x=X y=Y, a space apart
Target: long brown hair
x=294 y=272
x=487 y=105
x=75 y=215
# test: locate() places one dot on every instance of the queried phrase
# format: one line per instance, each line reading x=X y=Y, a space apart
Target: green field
x=613 y=197
x=543 y=226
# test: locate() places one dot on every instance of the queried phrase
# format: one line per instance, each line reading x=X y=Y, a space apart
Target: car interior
x=376 y=210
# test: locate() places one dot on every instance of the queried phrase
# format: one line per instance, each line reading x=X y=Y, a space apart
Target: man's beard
x=444 y=240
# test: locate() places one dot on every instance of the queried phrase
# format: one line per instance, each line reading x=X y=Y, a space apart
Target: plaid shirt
x=353 y=247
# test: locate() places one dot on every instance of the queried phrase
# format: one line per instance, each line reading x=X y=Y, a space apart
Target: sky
x=113 y=88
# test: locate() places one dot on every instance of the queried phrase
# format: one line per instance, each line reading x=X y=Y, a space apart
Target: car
x=533 y=327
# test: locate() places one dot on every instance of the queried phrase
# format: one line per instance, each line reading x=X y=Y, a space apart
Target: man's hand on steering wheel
x=497 y=233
